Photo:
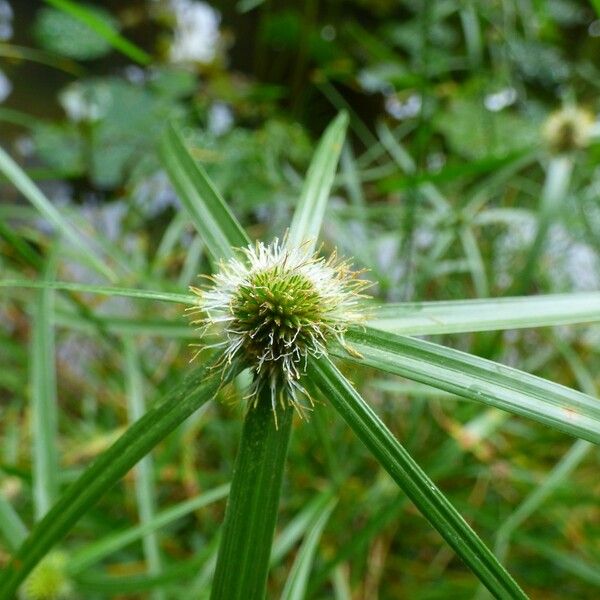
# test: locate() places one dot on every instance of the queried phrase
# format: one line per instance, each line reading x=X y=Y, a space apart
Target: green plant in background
x=449 y=187
x=263 y=295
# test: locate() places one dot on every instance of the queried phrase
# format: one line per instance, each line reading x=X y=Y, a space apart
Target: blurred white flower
x=196 y=35
x=499 y=100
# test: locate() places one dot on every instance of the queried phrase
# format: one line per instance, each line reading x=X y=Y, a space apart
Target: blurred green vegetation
x=447 y=190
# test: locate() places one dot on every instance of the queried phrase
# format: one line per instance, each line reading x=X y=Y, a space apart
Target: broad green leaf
x=251 y=513
x=100 y=289
x=25 y=185
x=458 y=316
x=44 y=412
x=100 y=549
x=297 y=581
x=199 y=387
x=12 y=528
x=207 y=209
x=392 y=456
x=103 y=28
x=310 y=210
x=477 y=379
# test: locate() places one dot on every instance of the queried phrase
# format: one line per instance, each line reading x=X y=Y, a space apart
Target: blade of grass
x=126 y=326
x=538 y=496
x=100 y=289
x=478 y=379
x=12 y=528
x=199 y=387
x=556 y=187
x=100 y=549
x=25 y=185
x=299 y=525
x=431 y=502
x=461 y=316
x=103 y=29
x=297 y=581
x=145 y=489
x=207 y=209
x=243 y=560
x=118 y=585
x=44 y=411
x=309 y=213
x=41 y=57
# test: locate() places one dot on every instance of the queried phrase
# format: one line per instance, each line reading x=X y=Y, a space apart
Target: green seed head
x=275 y=307
x=48 y=581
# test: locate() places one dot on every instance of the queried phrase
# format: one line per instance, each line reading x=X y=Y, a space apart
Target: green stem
x=243 y=561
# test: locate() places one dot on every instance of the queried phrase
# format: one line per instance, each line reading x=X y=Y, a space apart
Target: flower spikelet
x=272 y=307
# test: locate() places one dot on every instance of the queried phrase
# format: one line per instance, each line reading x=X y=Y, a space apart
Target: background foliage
x=440 y=195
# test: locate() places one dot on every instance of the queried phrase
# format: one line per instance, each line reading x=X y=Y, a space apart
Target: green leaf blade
x=477 y=379
x=25 y=185
x=205 y=206
x=310 y=210
x=108 y=468
x=461 y=316
x=251 y=514
x=432 y=503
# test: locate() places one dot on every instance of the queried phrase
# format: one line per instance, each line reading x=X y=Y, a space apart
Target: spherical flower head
x=275 y=306
x=48 y=581
x=568 y=129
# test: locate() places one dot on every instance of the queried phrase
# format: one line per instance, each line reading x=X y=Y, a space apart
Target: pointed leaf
x=310 y=210
x=205 y=206
x=478 y=379
x=432 y=503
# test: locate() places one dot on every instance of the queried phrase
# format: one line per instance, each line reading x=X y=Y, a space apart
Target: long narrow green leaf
x=538 y=496
x=243 y=561
x=297 y=581
x=145 y=489
x=409 y=476
x=108 y=468
x=460 y=316
x=100 y=289
x=169 y=328
x=298 y=526
x=13 y=530
x=96 y=551
x=103 y=29
x=44 y=421
x=310 y=210
x=205 y=206
x=478 y=379
x=23 y=183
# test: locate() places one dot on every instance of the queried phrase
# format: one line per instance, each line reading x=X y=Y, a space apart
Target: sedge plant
x=277 y=316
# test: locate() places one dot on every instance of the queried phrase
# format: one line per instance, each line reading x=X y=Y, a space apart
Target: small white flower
x=274 y=307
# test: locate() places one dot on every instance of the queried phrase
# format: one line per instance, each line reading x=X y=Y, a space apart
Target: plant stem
x=243 y=561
